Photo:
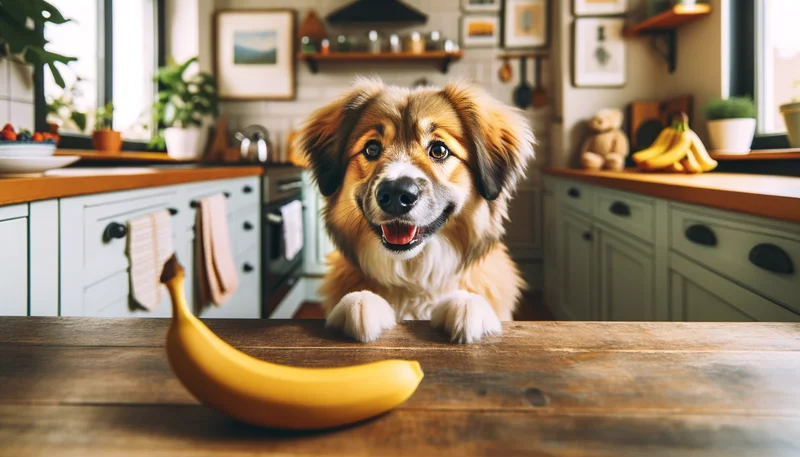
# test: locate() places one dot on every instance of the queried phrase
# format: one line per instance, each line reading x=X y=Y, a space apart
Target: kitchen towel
x=292 y=214
x=149 y=247
x=218 y=279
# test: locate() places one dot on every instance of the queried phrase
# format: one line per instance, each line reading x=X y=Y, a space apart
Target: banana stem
x=172 y=277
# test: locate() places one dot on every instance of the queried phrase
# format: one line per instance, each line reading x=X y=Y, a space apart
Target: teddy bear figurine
x=607 y=147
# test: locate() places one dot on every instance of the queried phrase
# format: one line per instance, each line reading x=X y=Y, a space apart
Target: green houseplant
x=791 y=117
x=22 y=39
x=61 y=110
x=184 y=105
x=104 y=137
x=731 y=124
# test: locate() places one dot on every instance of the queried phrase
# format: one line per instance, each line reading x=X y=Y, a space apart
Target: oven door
x=277 y=270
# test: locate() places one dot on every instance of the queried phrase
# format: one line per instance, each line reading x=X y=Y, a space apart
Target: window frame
x=743 y=63
x=75 y=141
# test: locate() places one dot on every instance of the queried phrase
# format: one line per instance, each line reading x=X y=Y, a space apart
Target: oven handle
x=283 y=187
x=274 y=219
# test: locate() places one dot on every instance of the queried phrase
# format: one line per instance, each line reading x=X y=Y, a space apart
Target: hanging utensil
x=523 y=94
x=539 y=95
x=506 y=72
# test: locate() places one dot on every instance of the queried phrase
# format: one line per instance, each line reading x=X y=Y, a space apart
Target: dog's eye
x=372 y=149
x=439 y=151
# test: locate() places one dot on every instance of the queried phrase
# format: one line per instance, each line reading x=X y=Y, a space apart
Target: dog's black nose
x=397 y=196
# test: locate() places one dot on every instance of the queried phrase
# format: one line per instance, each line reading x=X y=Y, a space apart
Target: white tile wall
x=314 y=90
x=16 y=95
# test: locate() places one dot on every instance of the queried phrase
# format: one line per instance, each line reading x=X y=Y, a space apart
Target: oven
x=281 y=185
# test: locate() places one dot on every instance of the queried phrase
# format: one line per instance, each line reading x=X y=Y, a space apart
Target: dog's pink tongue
x=398 y=233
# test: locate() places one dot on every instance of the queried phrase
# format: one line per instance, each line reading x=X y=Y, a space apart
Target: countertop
x=69 y=182
x=99 y=387
x=776 y=197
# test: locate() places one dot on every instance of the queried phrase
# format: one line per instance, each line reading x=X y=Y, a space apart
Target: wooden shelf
x=670 y=19
x=441 y=57
x=522 y=54
x=762 y=154
x=664 y=25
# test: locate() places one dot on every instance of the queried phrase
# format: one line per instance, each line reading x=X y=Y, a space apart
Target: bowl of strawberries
x=18 y=143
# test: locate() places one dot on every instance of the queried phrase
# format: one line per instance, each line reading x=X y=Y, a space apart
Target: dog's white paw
x=362 y=316
x=466 y=317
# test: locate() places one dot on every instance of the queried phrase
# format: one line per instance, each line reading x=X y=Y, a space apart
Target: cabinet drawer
x=635 y=215
x=244 y=227
x=575 y=195
x=110 y=298
x=14 y=267
x=240 y=193
x=762 y=258
x=105 y=251
x=246 y=303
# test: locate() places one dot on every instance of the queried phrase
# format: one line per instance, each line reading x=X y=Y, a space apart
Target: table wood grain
x=103 y=387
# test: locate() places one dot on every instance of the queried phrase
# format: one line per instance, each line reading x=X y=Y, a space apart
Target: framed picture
x=480 y=31
x=483 y=6
x=598 y=53
x=525 y=23
x=255 y=54
x=598 y=7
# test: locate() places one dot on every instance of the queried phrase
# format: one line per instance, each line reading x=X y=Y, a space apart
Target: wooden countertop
x=99 y=387
x=69 y=182
x=776 y=197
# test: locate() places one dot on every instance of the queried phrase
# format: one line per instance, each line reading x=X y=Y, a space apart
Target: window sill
x=123 y=156
x=761 y=154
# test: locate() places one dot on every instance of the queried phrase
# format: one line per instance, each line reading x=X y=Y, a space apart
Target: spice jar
x=325 y=46
x=374 y=42
x=394 y=43
x=306 y=46
x=434 y=41
x=416 y=45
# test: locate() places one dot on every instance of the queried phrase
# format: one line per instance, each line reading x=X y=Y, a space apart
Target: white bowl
x=23 y=167
x=26 y=149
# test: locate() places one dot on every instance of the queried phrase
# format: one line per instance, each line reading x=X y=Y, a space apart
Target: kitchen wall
x=313 y=90
x=16 y=94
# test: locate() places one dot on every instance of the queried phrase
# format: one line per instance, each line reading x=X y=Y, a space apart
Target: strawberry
x=37 y=137
x=9 y=135
x=8 y=128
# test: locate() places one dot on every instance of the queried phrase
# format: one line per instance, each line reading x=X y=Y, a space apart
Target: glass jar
x=394 y=44
x=434 y=42
x=416 y=44
x=325 y=46
x=374 y=45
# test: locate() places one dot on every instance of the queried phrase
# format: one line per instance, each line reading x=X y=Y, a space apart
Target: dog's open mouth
x=400 y=236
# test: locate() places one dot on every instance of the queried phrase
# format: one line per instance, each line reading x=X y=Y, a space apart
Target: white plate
x=18 y=167
x=27 y=149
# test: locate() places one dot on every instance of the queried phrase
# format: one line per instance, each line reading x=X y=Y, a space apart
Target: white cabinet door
x=549 y=248
x=576 y=254
x=625 y=270
x=317 y=242
x=14 y=267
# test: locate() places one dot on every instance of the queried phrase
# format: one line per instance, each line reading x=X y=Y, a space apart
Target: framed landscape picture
x=598 y=7
x=480 y=31
x=525 y=23
x=254 y=54
x=598 y=53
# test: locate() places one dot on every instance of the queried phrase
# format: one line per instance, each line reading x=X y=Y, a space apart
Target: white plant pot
x=731 y=136
x=185 y=143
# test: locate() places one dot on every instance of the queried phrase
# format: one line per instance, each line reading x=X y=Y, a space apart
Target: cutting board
x=646 y=119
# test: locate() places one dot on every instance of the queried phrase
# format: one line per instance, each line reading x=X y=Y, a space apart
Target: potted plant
x=184 y=106
x=61 y=110
x=791 y=117
x=104 y=137
x=731 y=124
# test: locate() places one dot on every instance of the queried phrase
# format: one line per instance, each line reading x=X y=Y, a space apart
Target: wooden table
x=102 y=387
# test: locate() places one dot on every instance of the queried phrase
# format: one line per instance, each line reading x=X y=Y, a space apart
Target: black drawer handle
x=194 y=204
x=113 y=231
x=573 y=192
x=173 y=211
x=247 y=189
x=227 y=194
x=771 y=258
x=247 y=226
x=620 y=209
x=587 y=236
x=247 y=268
x=701 y=234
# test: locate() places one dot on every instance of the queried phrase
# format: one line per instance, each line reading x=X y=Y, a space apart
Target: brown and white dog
x=417 y=184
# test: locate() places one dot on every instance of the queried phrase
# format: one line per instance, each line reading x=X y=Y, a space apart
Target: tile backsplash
x=16 y=94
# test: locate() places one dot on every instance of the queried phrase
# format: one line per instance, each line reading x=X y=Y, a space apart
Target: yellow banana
x=690 y=164
x=677 y=151
x=698 y=150
x=676 y=167
x=271 y=395
x=660 y=145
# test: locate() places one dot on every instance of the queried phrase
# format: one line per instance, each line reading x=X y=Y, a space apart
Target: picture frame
x=525 y=24
x=599 y=52
x=254 y=54
x=480 y=31
x=481 y=6
x=599 y=7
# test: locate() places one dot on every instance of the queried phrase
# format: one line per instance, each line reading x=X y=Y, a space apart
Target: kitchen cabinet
x=575 y=251
x=14 y=261
x=317 y=242
x=625 y=271
x=549 y=246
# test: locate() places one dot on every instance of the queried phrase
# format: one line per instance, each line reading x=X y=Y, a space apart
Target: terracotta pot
x=108 y=141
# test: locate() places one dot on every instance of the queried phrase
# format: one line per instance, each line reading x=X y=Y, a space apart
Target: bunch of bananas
x=271 y=395
x=676 y=149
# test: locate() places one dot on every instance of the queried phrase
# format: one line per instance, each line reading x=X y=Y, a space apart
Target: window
x=765 y=58
x=118 y=45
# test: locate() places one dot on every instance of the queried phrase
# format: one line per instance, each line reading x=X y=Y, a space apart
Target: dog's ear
x=322 y=140
x=499 y=137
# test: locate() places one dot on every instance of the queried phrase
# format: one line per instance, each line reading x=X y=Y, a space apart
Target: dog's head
x=402 y=167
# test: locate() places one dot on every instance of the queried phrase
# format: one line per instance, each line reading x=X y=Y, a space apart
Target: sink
x=100 y=171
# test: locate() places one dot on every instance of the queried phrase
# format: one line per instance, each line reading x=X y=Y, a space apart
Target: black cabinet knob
x=771 y=258
x=113 y=231
x=173 y=211
x=227 y=194
x=247 y=189
x=247 y=267
x=620 y=209
x=574 y=192
x=194 y=204
x=587 y=236
x=701 y=234
x=247 y=226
